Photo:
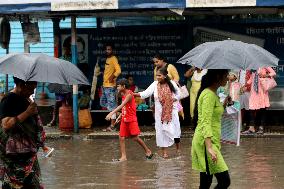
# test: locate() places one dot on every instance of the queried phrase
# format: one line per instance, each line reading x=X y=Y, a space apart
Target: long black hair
x=212 y=77
x=164 y=72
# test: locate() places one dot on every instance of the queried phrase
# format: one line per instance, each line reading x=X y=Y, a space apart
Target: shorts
x=108 y=98
x=128 y=129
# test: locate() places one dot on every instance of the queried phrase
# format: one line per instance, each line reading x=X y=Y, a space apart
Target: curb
x=144 y=135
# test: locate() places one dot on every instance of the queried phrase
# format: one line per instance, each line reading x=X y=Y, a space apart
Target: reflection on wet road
x=257 y=164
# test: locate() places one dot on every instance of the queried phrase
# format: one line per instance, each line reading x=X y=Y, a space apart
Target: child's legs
x=164 y=152
x=122 y=148
x=177 y=142
x=142 y=143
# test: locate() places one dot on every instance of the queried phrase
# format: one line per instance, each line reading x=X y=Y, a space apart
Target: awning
x=31 y=6
x=24 y=6
x=270 y=3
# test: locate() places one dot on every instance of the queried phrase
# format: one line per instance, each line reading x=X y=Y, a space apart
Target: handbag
x=20 y=144
x=183 y=92
x=85 y=119
x=267 y=83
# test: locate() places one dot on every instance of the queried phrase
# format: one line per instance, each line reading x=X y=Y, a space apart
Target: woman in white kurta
x=167 y=132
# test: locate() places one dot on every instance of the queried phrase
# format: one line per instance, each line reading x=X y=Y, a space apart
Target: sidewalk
x=146 y=132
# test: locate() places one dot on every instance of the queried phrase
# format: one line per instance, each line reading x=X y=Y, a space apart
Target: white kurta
x=165 y=132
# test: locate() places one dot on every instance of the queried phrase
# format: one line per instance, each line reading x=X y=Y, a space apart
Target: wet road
x=257 y=164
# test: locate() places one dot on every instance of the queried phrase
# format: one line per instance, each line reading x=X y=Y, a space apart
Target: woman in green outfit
x=206 y=154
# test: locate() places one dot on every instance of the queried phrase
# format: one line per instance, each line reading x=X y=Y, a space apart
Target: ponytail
x=168 y=81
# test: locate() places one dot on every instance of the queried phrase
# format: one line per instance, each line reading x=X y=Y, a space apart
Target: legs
x=257 y=119
x=223 y=180
x=55 y=112
x=252 y=120
x=108 y=100
x=164 y=152
x=177 y=142
x=260 y=120
x=122 y=149
x=205 y=180
x=137 y=139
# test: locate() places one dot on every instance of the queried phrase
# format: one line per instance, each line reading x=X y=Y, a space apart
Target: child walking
x=129 y=124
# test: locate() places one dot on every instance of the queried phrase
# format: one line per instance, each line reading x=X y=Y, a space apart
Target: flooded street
x=257 y=164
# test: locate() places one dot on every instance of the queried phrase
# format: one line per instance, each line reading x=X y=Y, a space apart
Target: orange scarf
x=166 y=100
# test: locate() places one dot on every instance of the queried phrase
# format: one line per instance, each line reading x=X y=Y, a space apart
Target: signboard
x=269 y=3
x=136 y=46
x=65 y=5
x=230 y=128
x=10 y=2
x=126 y=4
x=220 y=3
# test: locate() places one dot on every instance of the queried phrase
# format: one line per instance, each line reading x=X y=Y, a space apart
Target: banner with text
x=220 y=3
x=65 y=5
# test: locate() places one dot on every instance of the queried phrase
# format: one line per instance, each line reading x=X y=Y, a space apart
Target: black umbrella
x=58 y=88
x=229 y=54
x=42 y=68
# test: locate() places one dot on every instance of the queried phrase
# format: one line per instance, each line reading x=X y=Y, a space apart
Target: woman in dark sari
x=20 y=138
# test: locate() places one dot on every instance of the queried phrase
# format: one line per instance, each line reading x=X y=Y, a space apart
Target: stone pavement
x=146 y=132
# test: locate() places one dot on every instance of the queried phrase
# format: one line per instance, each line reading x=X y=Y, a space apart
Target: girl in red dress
x=129 y=124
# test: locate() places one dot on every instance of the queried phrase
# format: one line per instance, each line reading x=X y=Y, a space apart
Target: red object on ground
x=66 y=122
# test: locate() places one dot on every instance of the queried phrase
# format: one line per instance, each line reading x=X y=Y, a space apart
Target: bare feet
x=178 y=152
x=165 y=156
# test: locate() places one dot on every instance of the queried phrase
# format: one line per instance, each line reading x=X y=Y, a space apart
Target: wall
x=17 y=43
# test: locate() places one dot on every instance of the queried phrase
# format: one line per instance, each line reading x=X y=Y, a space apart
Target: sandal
x=260 y=132
x=48 y=153
x=248 y=132
x=165 y=156
x=118 y=160
x=149 y=156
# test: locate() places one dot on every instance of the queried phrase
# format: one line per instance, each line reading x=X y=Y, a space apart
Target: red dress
x=129 y=125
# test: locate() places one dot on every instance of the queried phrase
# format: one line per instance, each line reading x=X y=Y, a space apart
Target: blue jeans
x=108 y=98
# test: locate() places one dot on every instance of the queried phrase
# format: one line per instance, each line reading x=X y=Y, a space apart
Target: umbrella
x=58 y=88
x=41 y=68
x=95 y=79
x=229 y=54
